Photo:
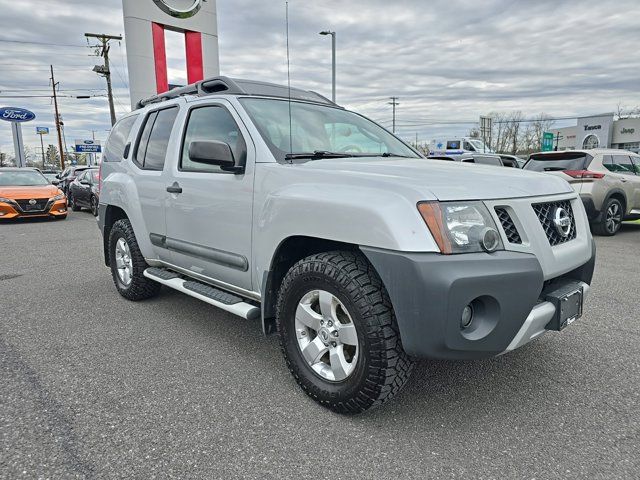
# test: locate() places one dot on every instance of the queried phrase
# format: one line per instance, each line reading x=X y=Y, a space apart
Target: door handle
x=175 y=188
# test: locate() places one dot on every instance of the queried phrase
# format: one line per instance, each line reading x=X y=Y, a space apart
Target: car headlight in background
x=461 y=227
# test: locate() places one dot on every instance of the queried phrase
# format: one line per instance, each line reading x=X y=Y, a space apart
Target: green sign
x=547 y=142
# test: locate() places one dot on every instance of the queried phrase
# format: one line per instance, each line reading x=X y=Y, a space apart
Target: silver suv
x=277 y=205
x=608 y=182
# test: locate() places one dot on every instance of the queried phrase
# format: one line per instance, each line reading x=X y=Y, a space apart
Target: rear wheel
x=128 y=264
x=612 y=215
x=338 y=332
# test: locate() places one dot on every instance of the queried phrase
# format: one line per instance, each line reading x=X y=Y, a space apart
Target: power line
x=27 y=42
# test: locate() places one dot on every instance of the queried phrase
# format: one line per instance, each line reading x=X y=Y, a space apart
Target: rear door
x=209 y=221
x=149 y=157
x=626 y=170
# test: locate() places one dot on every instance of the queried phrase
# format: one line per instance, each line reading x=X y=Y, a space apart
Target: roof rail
x=214 y=85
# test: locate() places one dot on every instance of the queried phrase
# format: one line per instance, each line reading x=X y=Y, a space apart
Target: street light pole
x=333 y=63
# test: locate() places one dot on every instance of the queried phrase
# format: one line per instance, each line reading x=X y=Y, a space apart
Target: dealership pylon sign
x=17 y=116
x=145 y=22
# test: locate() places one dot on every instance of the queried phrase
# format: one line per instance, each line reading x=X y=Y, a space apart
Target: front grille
x=546 y=214
x=39 y=206
x=510 y=230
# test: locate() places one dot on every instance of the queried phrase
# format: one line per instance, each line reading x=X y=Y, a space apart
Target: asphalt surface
x=94 y=386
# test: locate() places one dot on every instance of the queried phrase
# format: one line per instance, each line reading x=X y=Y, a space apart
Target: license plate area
x=568 y=300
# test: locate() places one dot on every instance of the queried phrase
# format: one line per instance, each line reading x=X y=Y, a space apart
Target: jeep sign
x=11 y=114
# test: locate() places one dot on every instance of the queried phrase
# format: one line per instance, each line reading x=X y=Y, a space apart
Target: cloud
x=446 y=60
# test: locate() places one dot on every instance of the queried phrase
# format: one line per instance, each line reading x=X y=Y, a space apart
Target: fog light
x=62 y=210
x=490 y=240
x=467 y=317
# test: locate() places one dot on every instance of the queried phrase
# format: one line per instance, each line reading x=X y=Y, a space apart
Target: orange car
x=25 y=192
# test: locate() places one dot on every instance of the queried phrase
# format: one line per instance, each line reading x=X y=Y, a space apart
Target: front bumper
x=10 y=211
x=429 y=292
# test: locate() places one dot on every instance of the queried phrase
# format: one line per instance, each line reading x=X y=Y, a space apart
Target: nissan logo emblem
x=562 y=221
x=32 y=202
x=180 y=8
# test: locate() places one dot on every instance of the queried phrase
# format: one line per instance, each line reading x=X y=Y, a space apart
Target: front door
x=209 y=212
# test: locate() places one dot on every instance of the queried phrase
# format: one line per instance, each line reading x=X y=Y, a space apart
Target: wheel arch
x=619 y=195
x=111 y=215
x=289 y=251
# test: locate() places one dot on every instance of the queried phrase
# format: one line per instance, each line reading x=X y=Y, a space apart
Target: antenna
x=289 y=80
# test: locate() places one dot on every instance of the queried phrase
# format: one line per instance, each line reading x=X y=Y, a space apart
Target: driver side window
x=211 y=123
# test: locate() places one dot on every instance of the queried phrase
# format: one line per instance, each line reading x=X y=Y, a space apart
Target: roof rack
x=229 y=86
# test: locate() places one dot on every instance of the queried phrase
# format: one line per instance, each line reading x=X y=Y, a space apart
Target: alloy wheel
x=614 y=217
x=326 y=335
x=124 y=264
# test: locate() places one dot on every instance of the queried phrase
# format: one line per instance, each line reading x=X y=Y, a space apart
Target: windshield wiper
x=317 y=154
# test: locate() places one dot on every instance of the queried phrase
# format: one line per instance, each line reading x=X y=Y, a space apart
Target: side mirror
x=214 y=153
x=85 y=182
x=55 y=182
x=58 y=176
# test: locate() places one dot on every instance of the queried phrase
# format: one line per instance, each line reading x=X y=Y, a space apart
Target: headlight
x=60 y=196
x=461 y=227
x=7 y=200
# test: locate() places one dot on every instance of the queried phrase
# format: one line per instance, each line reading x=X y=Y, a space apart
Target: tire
x=612 y=216
x=94 y=205
x=134 y=285
x=72 y=203
x=376 y=367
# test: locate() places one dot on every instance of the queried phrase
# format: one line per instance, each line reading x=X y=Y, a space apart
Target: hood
x=27 y=193
x=445 y=180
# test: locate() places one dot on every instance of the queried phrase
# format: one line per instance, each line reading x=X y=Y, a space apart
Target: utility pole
x=104 y=70
x=55 y=103
x=394 y=103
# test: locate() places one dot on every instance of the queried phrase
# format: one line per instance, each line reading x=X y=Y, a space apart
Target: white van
x=457 y=145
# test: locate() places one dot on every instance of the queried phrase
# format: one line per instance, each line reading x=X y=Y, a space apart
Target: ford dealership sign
x=11 y=114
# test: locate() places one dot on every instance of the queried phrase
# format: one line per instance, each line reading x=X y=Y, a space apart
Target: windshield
x=480 y=146
x=22 y=179
x=319 y=128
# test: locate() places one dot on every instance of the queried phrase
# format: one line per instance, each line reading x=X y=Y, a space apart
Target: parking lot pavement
x=94 y=386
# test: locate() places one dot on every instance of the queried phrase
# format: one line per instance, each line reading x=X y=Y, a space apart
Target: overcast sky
x=448 y=61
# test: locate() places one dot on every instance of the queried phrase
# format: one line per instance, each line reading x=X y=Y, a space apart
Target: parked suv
x=608 y=182
x=276 y=204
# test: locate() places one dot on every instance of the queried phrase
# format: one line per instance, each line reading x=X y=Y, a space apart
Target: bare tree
x=542 y=123
x=623 y=112
x=4 y=160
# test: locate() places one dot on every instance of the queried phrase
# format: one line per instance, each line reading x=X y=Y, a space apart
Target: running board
x=211 y=295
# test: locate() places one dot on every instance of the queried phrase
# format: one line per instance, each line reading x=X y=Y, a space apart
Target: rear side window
x=619 y=164
x=552 y=162
x=636 y=164
x=114 y=149
x=151 y=151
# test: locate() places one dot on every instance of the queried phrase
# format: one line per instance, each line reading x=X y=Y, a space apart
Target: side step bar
x=211 y=295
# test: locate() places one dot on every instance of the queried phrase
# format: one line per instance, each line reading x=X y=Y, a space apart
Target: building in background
x=145 y=22
x=600 y=131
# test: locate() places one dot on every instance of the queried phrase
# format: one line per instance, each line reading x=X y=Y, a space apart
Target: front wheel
x=72 y=203
x=128 y=264
x=338 y=332
x=94 y=206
